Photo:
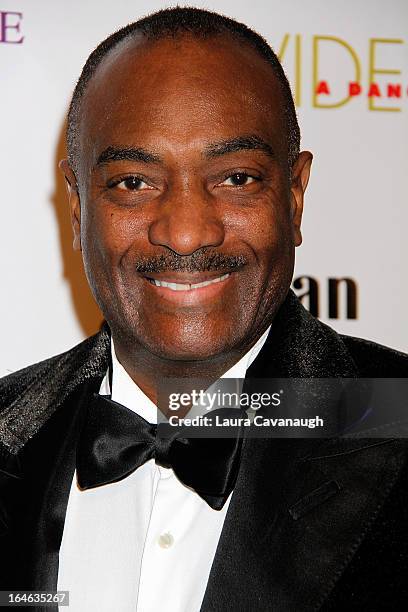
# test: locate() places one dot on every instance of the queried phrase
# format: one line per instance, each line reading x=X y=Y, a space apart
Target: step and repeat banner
x=348 y=66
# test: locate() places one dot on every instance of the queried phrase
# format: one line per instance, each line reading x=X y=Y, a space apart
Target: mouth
x=187 y=286
x=183 y=289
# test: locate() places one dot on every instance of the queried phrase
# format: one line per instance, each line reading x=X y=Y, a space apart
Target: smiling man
x=181 y=180
x=186 y=189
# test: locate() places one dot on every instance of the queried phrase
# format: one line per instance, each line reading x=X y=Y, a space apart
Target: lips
x=187 y=286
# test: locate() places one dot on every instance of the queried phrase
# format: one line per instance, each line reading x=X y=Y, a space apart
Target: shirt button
x=166 y=540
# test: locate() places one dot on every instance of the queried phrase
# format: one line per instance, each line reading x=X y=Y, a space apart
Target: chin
x=184 y=352
x=185 y=347
x=179 y=339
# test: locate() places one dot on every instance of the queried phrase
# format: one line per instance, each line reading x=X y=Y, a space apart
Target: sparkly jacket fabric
x=313 y=524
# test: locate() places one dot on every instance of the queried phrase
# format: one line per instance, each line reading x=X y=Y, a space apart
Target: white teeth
x=187 y=286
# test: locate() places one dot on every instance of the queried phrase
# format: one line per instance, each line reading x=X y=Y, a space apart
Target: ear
x=74 y=203
x=300 y=179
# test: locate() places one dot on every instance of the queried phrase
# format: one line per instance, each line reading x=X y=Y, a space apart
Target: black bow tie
x=115 y=441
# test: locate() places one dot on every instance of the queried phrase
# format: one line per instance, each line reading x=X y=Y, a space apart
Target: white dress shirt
x=147 y=542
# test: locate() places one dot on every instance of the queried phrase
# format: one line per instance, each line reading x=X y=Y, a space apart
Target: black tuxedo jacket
x=312 y=524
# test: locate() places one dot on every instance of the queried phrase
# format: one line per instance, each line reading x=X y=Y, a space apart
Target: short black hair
x=175 y=22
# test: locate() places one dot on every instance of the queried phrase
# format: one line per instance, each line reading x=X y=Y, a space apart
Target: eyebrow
x=112 y=154
x=213 y=150
x=240 y=143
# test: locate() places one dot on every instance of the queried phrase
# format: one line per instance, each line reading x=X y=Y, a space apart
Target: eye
x=239 y=179
x=130 y=183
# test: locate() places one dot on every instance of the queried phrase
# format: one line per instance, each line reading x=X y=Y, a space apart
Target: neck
x=147 y=370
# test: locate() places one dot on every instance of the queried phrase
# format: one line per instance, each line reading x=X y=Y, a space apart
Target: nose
x=187 y=220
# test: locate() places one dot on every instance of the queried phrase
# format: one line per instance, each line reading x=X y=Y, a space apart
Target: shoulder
x=19 y=380
x=29 y=396
x=376 y=360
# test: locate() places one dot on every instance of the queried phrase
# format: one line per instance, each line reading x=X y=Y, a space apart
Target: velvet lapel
x=37 y=497
x=31 y=396
x=38 y=432
x=300 y=507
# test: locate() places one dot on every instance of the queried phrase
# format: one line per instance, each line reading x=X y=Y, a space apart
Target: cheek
x=268 y=232
x=106 y=237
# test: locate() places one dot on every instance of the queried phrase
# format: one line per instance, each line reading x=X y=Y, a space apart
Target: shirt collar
x=126 y=392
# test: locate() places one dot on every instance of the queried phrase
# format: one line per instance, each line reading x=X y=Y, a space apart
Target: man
x=186 y=189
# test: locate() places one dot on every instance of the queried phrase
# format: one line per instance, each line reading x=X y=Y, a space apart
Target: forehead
x=181 y=90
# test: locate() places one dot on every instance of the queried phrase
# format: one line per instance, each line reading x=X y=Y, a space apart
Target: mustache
x=199 y=261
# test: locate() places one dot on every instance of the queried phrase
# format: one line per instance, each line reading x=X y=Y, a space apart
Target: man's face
x=186 y=214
